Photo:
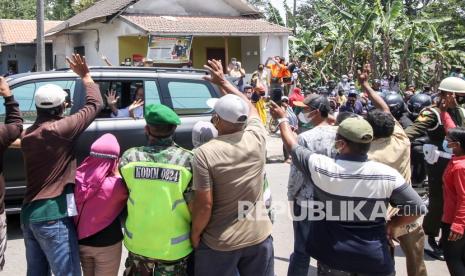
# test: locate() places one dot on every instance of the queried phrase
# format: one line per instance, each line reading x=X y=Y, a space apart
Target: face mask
x=445 y=148
x=303 y=118
x=336 y=149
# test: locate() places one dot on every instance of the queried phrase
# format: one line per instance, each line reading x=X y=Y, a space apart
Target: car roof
x=119 y=71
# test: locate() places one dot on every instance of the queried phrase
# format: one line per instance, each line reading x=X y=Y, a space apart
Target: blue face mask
x=445 y=148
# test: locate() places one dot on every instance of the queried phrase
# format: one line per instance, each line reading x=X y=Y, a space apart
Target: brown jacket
x=9 y=132
x=48 y=148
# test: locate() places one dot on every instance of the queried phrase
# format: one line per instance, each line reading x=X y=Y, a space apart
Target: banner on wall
x=169 y=49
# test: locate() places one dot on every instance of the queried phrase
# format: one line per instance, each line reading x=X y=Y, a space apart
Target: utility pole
x=40 y=40
x=294 y=12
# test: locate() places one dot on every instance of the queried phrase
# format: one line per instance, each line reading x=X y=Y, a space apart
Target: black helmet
x=396 y=104
x=417 y=102
x=382 y=94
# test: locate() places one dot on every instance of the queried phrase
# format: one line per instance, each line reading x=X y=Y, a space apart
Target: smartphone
x=276 y=96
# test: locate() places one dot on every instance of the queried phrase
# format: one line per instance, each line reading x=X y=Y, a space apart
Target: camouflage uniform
x=428 y=123
x=167 y=152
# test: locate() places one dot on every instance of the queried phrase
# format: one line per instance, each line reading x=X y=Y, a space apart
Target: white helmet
x=452 y=84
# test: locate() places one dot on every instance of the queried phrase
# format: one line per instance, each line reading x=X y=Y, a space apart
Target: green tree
x=82 y=5
x=59 y=9
x=270 y=12
x=420 y=40
x=19 y=9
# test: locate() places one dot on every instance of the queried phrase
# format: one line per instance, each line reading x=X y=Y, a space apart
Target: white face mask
x=303 y=118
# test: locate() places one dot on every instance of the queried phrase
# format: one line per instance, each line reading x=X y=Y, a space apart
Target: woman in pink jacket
x=100 y=198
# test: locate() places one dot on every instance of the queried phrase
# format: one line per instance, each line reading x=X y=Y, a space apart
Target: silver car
x=184 y=90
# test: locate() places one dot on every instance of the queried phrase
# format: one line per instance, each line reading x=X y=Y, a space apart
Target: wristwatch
x=282 y=120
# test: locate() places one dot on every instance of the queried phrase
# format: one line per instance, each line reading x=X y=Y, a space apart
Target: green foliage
x=17 y=9
x=420 y=40
x=82 y=5
x=26 y=9
x=59 y=9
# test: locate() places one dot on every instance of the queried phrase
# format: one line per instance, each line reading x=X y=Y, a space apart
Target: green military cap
x=158 y=114
x=357 y=130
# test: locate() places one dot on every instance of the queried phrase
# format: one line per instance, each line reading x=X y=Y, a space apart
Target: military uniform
x=429 y=122
x=163 y=158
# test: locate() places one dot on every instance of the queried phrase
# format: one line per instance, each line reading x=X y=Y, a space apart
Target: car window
x=189 y=97
x=126 y=91
x=152 y=96
x=24 y=95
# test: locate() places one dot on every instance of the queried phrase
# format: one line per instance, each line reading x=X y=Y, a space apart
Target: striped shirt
x=355 y=194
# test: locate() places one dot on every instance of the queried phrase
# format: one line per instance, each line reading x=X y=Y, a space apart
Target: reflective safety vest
x=159 y=222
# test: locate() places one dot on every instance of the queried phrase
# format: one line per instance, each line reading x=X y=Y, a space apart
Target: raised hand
x=135 y=104
x=112 y=99
x=79 y=66
x=216 y=72
x=447 y=101
x=276 y=111
x=364 y=76
x=4 y=88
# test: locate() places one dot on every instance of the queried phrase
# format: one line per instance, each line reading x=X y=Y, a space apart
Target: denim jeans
x=300 y=258
x=51 y=246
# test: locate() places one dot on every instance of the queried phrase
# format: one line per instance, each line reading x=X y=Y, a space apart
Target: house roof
x=110 y=8
x=100 y=9
x=13 y=31
x=199 y=25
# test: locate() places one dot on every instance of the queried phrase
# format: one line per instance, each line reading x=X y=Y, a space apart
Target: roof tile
x=21 y=31
x=204 y=25
x=100 y=9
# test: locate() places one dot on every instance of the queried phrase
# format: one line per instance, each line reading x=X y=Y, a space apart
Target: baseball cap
x=314 y=101
x=357 y=130
x=50 y=96
x=230 y=108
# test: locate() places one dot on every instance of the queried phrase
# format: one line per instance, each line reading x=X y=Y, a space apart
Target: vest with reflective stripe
x=158 y=223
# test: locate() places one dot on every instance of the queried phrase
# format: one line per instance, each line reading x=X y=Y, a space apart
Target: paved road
x=282 y=230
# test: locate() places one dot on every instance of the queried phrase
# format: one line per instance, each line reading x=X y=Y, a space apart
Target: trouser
x=454 y=252
x=413 y=244
x=324 y=270
x=137 y=265
x=300 y=258
x=52 y=245
x=432 y=221
x=100 y=261
x=252 y=260
x=418 y=164
x=3 y=239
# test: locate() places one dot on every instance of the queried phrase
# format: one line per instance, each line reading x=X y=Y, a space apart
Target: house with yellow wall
x=120 y=31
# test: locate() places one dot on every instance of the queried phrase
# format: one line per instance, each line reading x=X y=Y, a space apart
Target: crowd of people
x=209 y=211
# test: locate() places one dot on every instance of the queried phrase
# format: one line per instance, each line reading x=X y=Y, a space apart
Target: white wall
x=250 y=49
x=271 y=46
x=63 y=45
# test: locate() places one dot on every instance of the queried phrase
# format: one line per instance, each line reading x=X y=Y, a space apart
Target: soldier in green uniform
x=429 y=122
x=159 y=178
